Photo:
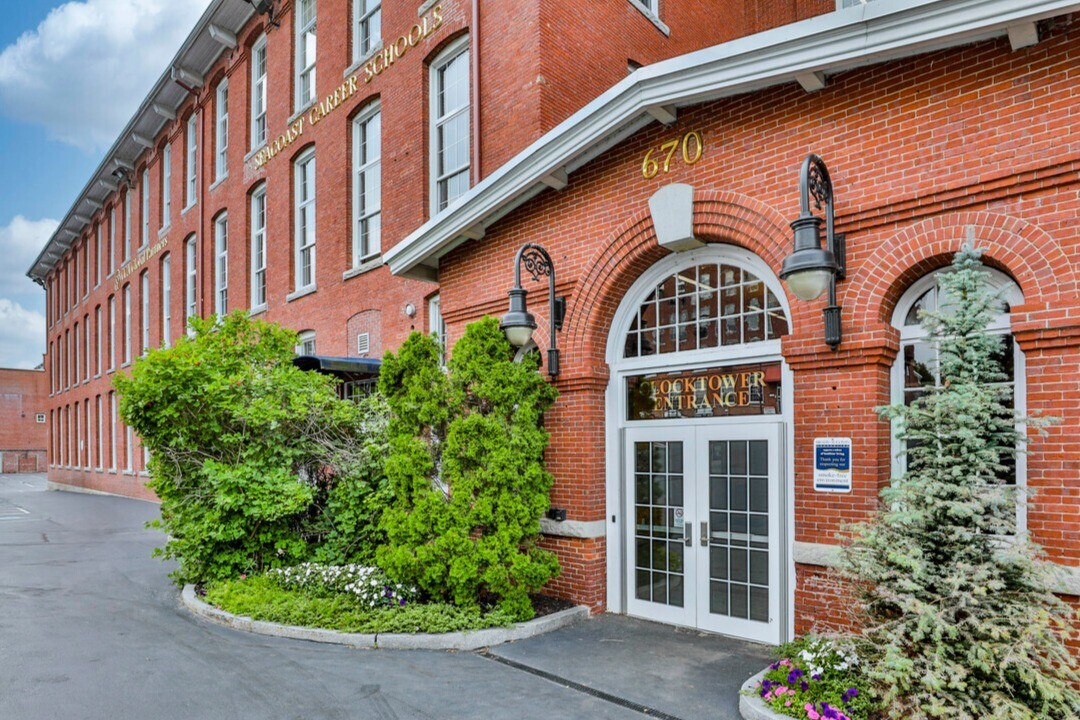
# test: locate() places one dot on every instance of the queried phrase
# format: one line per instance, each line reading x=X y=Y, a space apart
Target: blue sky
x=71 y=75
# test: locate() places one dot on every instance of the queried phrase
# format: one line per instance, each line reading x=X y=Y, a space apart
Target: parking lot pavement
x=91 y=627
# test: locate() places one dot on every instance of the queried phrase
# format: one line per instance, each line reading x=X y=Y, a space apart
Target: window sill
x=425 y=6
x=214 y=185
x=111 y=471
x=125 y=364
x=254 y=151
x=296 y=294
x=366 y=266
x=98 y=375
x=164 y=230
x=257 y=310
x=184 y=210
x=652 y=17
x=355 y=67
x=296 y=115
x=128 y=472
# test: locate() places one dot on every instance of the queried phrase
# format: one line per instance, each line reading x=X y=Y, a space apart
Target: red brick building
x=24 y=404
x=379 y=176
x=708 y=445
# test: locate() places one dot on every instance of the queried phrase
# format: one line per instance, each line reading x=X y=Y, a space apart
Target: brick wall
x=23 y=396
x=973 y=143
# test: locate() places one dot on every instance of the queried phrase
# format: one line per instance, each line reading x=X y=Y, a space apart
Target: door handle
x=688 y=534
x=705 y=533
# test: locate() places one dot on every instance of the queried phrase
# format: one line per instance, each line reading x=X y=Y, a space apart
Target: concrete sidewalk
x=90 y=627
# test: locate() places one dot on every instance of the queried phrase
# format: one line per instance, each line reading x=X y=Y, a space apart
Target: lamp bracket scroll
x=518 y=323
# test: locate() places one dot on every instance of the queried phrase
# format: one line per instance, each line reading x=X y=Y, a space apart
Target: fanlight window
x=705 y=306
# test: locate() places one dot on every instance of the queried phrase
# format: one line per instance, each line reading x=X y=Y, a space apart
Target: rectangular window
x=88 y=460
x=76 y=361
x=305 y=221
x=367 y=26
x=100 y=436
x=144 y=238
x=367 y=185
x=191 y=156
x=86 y=347
x=112 y=240
x=166 y=182
x=190 y=277
x=258 y=93
x=450 y=125
x=221 y=106
x=112 y=431
x=86 y=267
x=112 y=332
x=436 y=324
x=305 y=53
x=144 y=315
x=76 y=460
x=221 y=265
x=127 y=324
x=166 y=302
x=129 y=447
x=127 y=226
x=258 y=248
x=97 y=335
x=306 y=346
x=97 y=255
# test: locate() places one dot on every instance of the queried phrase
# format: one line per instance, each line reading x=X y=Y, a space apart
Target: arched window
x=705 y=305
x=916 y=367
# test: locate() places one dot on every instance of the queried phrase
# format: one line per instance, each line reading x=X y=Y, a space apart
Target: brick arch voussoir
x=1024 y=251
x=632 y=248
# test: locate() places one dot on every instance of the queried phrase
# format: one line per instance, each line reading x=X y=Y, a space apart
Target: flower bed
x=817 y=679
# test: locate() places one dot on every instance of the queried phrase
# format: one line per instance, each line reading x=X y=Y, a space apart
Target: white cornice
x=829 y=43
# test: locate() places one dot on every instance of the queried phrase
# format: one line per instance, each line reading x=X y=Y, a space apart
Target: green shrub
x=245 y=447
x=955 y=627
x=466 y=469
x=262 y=598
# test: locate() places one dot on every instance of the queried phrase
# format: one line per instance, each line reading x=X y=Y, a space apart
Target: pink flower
x=811 y=712
x=787 y=704
x=781 y=690
x=785 y=663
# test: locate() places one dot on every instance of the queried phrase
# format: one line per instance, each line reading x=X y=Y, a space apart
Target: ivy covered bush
x=959 y=623
x=466 y=470
x=257 y=463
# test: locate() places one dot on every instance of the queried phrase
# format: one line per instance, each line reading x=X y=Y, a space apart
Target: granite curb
x=468 y=640
x=751 y=706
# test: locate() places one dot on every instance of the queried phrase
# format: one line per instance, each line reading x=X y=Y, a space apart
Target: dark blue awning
x=347 y=368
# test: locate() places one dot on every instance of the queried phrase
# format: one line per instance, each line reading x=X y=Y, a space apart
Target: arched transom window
x=706 y=305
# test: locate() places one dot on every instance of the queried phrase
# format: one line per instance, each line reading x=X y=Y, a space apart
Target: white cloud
x=22 y=303
x=84 y=70
x=22 y=335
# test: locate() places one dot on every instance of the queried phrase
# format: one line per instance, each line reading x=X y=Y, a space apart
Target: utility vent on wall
x=363 y=344
x=40 y=417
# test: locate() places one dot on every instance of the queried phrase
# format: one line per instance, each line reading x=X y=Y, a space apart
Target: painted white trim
x=615 y=412
x=441 y=61
x=833 y=42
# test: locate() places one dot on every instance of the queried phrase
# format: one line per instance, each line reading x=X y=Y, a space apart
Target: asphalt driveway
x=90 y=627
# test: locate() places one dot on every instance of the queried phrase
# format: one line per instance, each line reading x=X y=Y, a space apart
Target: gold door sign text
x=138 y=261
x=382 y=60
x=742 y=390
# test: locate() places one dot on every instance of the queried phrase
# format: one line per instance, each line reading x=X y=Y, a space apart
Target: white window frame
x=97 y=255
x=129 y=465
x=86 y=347
x=305 y=73
x=127 y=326
x=221 y=130
x=305 y=344
x=367 y=27
x=258 y=248
x=304 y=208
x=191 y=276
x=1000 y=325
x=452 y=52
x=437 y=325
x=191 y=164
x=166 y=184
x=166 y=300
x=112 y=240
x=78 y=366
x=367 y=184
x=112 y=333
x=97 y=336
x=144 y=237
x=221 y=265
x=100 y=434
x=258 y=93
x=112 y=431
x=77 y=459
x=127 y=226
x=144 y=314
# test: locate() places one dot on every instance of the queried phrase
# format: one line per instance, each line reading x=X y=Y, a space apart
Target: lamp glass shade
x=809 y=284
x=518 y=335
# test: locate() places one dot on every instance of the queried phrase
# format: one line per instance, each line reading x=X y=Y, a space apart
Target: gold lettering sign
x=717 y=392
x=138 y=261
x=374 y=67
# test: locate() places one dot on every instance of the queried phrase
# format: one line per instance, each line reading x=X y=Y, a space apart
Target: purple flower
x=401 y=602
x=816 y=676
x=804 y=686
x=794 y=675
x=775 y=666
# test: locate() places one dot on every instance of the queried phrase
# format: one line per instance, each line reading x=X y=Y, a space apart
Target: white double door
x=704 y=546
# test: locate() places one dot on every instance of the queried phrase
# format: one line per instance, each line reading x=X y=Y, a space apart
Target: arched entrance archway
x=696 y=461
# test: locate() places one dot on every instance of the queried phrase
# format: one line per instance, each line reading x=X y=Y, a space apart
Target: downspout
x=478 y=174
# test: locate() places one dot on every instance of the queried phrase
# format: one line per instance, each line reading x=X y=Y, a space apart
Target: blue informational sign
x=832 y=465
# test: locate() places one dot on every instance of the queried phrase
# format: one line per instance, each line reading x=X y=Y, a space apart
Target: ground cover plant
x=958 y=621
x=257 y=463
x=466 y=469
